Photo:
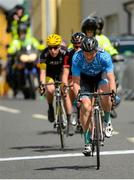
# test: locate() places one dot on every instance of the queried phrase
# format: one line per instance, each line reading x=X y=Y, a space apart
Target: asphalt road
x=30 y=147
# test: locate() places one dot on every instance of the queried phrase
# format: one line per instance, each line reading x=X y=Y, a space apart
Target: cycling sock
x=68 y=117
x=87 y=136
x=107 y=117
x=50 y=106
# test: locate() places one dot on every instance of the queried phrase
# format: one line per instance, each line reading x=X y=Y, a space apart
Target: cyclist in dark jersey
x=76 y=39
x=51 y=66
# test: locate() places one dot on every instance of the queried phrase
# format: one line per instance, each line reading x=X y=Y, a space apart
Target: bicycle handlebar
x=57 y=83
x=95 y=94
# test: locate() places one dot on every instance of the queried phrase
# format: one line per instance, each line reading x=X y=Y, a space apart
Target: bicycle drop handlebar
x=97 y=94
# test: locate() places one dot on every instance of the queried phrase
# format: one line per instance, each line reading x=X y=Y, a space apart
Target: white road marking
x=10 y=110
x=131 y=139
x=115 y=132
x=64 y=155
x=39 y=116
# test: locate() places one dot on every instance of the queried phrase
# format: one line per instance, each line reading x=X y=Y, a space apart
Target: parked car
x=125 y=46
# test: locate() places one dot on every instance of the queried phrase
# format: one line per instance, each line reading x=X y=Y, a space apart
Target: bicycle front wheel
x=97 y=137
x=60 y=125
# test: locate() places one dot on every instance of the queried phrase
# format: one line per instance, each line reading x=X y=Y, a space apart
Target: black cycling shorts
x=89 y=83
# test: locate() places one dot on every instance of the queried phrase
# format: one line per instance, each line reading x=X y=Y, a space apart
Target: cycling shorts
x=91 y=83
x=52 y=79
x=49 y=79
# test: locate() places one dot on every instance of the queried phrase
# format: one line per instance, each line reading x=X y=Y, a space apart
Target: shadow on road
x=46 y=148
x=67 y=167
x=131 y=122
x=46 y=132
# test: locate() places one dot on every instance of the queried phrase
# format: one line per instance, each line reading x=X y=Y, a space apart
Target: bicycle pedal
x=56 y=125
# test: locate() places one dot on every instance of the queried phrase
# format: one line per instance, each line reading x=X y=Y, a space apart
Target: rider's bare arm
x=76 y=84
x=65 y=75
x=43 y=76
x=111 y=79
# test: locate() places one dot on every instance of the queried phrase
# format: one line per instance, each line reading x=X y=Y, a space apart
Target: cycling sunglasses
x=77 y=47
x=53 y=47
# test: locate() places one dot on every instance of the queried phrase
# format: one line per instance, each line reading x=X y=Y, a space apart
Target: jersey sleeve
x=42 y=61
x=66 y=61
x=107 y=62
x=75 y=65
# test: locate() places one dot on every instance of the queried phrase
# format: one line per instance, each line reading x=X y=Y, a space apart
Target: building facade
x=65 y=16
x=56 y=16
x=118 y=15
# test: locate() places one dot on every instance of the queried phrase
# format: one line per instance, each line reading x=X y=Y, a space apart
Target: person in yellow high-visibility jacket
x=17 y=44
x=24 y=40
x=18 y=16
x=102 y=39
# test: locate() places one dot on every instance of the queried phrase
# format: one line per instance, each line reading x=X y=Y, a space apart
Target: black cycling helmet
x=89 y=24
x=99 y=21
x=89 y=44
x=77 y=37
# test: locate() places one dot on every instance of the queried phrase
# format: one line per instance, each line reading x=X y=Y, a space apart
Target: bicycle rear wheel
x=97 y=137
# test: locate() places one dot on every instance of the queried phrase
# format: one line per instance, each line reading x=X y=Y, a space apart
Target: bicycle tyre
x=101 y=126
x=60 y=125
x=97 y=137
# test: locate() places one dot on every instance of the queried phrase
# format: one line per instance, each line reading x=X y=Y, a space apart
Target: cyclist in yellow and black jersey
x=51 y=66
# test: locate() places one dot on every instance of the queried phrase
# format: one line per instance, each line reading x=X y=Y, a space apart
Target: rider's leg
x=85 y=117
x=68 y=106
x=106 y=104
x=106 y=100
x=50 y=89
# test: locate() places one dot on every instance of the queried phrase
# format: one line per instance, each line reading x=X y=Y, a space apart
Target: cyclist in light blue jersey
x=92 y=70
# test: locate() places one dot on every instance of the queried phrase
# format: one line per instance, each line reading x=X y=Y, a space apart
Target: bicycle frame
x=59 y=102
x=60 y=115
x=97 y=109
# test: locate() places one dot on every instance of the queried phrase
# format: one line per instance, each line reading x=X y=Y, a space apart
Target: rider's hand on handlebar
x=42 y=88
x=64 y=89
x=115 y=99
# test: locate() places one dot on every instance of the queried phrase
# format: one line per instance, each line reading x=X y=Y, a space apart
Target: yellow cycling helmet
x=54 y=40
